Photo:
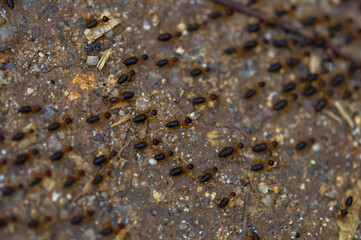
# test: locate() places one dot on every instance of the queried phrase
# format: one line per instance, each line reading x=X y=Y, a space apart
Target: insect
x=257 y=167
x=18 y=136
x=280 y=104
x=99 y=160
x=92 y=119
x=250 y=93
x=164 y=37
x=259 y=147
x=198 y=100
x=206 y=177
x=321 y=104
x=25 y=109
x=275 y=67
x=196 y=72
x=22 y=158
x=224 y=202
x=160 y=156
x=301 y=145
x=289 y=87
x=193 y=27
x=226 y=152
x=162 y=63
x=172 y=124
x=349 y=201
x=176 y=171
x=53 y=126
x=10 y=4
x=96 y=22
x=97 y=179
x=76 y=220
x=57 y=156
x=130 y=61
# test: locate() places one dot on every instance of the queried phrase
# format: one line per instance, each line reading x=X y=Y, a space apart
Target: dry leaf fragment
x=96 y=32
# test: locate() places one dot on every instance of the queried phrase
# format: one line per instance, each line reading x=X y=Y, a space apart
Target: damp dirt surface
x=65 y=175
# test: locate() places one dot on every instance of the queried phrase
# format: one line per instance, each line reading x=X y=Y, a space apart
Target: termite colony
x=156 y=138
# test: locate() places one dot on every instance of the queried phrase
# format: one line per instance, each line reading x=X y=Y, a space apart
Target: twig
x=292 y=27
x=244 y=227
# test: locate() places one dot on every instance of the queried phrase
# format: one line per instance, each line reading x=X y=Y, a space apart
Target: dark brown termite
x=94 y=23
x=206 y=177
x=10 y=4
x=76 y=220
x=225 y=152
x=349 y=201
x=257 y=167
x=301 y=145
x=259 y=147
x=176 y=171
x=224 y=202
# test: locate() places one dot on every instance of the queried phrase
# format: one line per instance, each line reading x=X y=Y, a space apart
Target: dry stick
x=292 y=27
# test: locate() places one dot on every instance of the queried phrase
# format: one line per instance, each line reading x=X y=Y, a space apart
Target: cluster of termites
x=309 y=85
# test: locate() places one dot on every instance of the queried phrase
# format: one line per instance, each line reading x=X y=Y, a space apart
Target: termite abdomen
x=54 y=126
x=309 y=21
x=321 y=104
x=99 y=160
x=10 y=4
x=92 y=119
x=25 y=109
x=337 y=80
x=76 y=220
x=122 y=79
x=35 y=181
x=253 y=28
x=130 y=61
x=33 y=223
x=57 y=156
x=230 y=50
x=8 y=191
x=320 y=42
x=349 y=201
x=309 y=91
x=140 y=118
x=18 y=136
x=159 y=157
x=215 y=15
x=69 y=182
x=106 y=231
x=172 y=124
x=250 y=93
x=193 y=27
x=223 y=202
x=259 y=147
x=2 y=222
x=22 y=158
x=140 y=145
x=198 y=100
x=249 y=45
x=176 y=171
x=275 y=67
x=280 y=104
x=301 y=145
x=206 y=177
x=311 y=77
x=289 y=87
x=196 y=72
x=279 y=43
x=127 y=95
x=162 y=63
x=293 y=62
x=255 y=236
x=346 y=95
x=92 y=24
x=164 y=37
x=226 y=152
x=257 y=167
x=97 y=179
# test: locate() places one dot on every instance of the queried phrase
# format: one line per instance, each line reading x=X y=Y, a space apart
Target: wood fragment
x=344 y=114
x=121 y=120
x=104 y=58
x=118 y=105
